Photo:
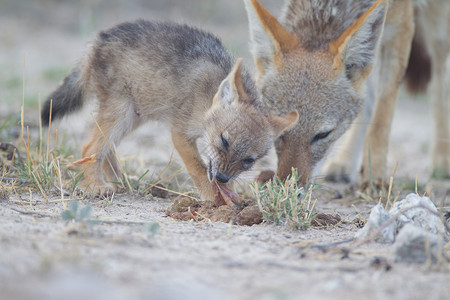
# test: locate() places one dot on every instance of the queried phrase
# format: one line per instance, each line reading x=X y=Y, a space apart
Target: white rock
x=420 y=217
x=378 y=216
x=415 y=245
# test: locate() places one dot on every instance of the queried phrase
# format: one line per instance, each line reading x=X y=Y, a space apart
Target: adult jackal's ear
x=354 y=50
x=269 y=38
x=231 y=89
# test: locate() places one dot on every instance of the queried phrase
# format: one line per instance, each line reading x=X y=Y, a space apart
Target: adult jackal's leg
x=433 y=24
x=393 y=58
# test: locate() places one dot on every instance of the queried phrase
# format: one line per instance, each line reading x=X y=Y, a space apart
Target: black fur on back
x=68 y=97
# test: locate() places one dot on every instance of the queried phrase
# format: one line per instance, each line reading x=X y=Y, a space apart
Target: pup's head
x=324 y=85
x=238 y=132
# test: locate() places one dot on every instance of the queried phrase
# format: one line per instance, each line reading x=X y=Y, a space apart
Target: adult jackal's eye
x=321 y=136
x=224 y=141
x=248 y=161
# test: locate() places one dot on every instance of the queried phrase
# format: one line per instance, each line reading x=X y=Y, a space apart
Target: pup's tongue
x=223 y=195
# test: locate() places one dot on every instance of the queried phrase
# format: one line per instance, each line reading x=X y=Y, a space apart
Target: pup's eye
x=321 y=136
x=224 y=142
x=248 y=161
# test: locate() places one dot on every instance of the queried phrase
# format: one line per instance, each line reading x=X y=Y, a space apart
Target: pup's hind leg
x=112 y=123
x=93 y=172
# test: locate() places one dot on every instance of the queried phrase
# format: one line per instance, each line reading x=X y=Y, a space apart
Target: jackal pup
x=178 y=75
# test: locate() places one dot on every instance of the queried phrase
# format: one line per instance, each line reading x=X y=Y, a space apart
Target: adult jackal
x=335 y=61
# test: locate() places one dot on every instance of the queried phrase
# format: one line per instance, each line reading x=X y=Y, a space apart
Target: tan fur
x=433 y=24
x=339 y=41
x=107 y=120
x=395 y=52
x=182 y=77
x=431 y=21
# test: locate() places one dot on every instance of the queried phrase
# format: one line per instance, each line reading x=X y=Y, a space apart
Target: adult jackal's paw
x=338 y=172
x=441 y=166
x=375 y=187
x=441 y=173
x=265 y=176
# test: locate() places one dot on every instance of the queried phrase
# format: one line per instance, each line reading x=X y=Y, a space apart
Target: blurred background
x=50 y=35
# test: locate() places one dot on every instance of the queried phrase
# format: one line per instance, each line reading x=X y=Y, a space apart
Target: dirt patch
x=45 y=257
x=184 y=208
x=247 y=214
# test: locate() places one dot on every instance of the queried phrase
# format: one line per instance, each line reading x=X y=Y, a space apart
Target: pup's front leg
x=188 y=151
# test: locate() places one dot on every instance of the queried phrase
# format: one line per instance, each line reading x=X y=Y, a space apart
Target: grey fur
x=318 y=22
x=174 y=52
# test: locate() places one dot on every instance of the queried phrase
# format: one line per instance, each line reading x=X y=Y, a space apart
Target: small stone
x=222 y=213
x=183 y=208
x=323 y=220
x=415 y=245
x=249 y=216
x=378 y=216
x=420 y=217
x=380 y=263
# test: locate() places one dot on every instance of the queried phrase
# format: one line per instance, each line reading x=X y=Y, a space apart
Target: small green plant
x=75 y=180
x=150 y=229
x=77 y=213
x=285 y=202
x=40 y=173
x=7 y=123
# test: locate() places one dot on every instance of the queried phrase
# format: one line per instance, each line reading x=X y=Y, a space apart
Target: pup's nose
x=222 y=178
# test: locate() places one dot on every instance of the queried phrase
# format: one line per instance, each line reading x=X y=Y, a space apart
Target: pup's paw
x=102 y=189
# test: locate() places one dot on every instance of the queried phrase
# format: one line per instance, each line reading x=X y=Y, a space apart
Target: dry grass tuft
x=285 y=202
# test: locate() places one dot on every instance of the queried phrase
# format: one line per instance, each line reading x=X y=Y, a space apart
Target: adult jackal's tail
x=65 y=99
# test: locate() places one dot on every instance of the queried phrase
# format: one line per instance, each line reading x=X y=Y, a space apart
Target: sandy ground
x=44 y=257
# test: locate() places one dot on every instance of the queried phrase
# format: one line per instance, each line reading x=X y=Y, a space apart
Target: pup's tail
x=67 y=98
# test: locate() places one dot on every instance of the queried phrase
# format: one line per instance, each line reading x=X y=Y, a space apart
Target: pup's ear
x=269 y=39
x=280 y=124
x=354 y=50
x=231 y=89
